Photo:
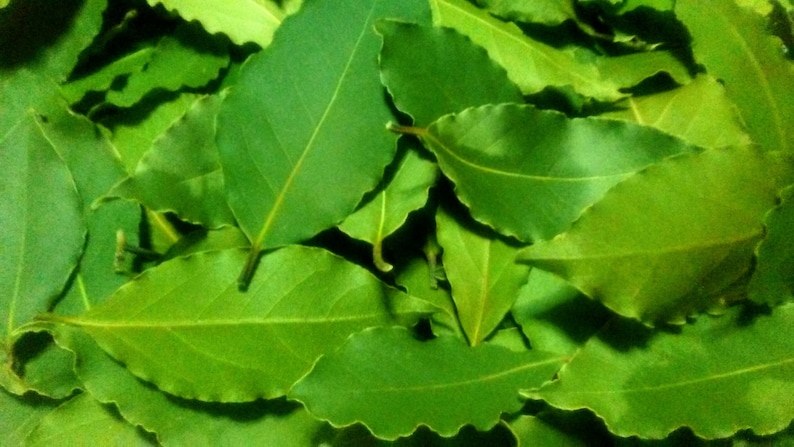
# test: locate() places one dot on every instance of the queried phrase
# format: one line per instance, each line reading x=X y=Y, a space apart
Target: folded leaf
x=433 y=71
x=717 y=376
x=216 y=343
x=182 y=173
x=388 y=210
x=529 y=173
x=734 y=45
x=699 y=112
x=773 y=279
x=391 y=382
x=482 y=272
x=664 y=243
x=301 y=135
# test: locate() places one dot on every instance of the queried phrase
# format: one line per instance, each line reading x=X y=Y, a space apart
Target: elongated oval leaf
x=699 y=112
x=185 y=327
x=482 y=272
x=530 y=173
x=718 y=376
x=773 y=279
x=733 y=44
x=664 y=243
x=434 y=71
x=387 y=380
x=301 y=136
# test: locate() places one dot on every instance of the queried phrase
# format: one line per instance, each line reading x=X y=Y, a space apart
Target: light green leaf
x=242 y=20
x=186 y=58
x=481 y=270
x=664 y=243
x=387 y=380
x=18 y=417
x=216 y=343
x=102 y=79
x=717 y=376
x=307 y=116
x=45 y=368
x=431 y=72
x=42 y=220
x=531 y=431
x=554 y=315
x=83 y=421
x=699 y=112
x=418 y=279
x=50 y=39
x=529 y=173
x=181 y=172
x=546 y=12
x=388 y=210
x=773 y=279
x=735 y=47
x=207 y=240
x=181 y=422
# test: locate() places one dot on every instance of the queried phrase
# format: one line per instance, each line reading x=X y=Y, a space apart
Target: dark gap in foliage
x=29 y=27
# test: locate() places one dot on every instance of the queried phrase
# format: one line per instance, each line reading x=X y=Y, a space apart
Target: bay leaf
x=717 y=376
x=19 y=416
x=734 y=45
x=432 y=71
x=379 y=375
x=481 y=270
x=301 y=135
x=773 y=278
x=529 y=173
x=216 y=343
x=665 y=242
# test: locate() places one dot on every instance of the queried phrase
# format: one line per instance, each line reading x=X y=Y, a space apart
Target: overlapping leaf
x=699 y=112
x=481 y=270
x=529 y=173
x=181 y=172
x=308 y=115
x=388 y=210
x=392 y=383
x=664 y=243
x=422 y=62
x=717 y=376
x=19 y=417
x=773 y=279
x=734 y=46
x=219 y=344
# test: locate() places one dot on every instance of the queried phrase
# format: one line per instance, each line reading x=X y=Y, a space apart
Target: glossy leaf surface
x=529 y=173
x=699 y=112
x=481 y=270
x=378 y=376
x=664 y=243
x=731 y=42
x=182 y=173
x=734 y=371
x=307 y=115
x=216 y=343
x=773 y=279
x=444 y=65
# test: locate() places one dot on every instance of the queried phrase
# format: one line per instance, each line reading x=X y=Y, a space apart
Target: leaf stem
x=409 y=130
x=248 y=269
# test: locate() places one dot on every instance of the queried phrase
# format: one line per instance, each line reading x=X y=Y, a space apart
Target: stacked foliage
x=367 y=222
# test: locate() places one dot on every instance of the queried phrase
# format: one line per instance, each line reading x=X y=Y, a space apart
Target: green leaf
x=530 y=431
x=47 y=38
x=181 y=172
x=181 y=422
x=735 y=47
x=546 y=12
x=392 y=383
x=38 y=256
x=46 y=369
x=699 y=112
x=554 y=315
x=773 y=279
x=421 y=62
x=18 y=417
x=102 y=79
x=216 y=343
x=81 y=421
x=529 y=173
x=242 y=20
x=307 y=117
x=388 y=210
x=664 y=243
x=481 y=270
x=716 y=376
x=188 y=58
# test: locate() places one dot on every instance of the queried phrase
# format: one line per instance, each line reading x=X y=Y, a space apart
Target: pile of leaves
x=367 y=222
